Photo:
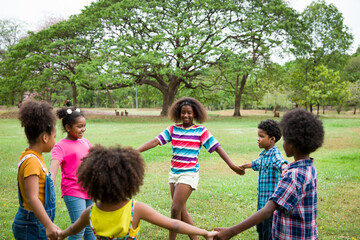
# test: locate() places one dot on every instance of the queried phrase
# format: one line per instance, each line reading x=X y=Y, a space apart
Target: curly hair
x=112 y=174
x=36 y=118
x=68 y=118
x=200 y=114
x=271 y=128
x=303 y=130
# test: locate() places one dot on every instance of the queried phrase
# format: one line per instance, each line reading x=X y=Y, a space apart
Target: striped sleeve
x=208 y=141
x=165 y=136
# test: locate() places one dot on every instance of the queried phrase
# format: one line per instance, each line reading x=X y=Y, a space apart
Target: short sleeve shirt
x=30 y=167
x=269 y=166
x=296 y=196
x=114 y=224
x=186 y=145
x=70 y=153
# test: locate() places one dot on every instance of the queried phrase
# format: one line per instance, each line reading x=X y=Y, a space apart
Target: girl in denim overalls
x=112 y=176
x=36 y=213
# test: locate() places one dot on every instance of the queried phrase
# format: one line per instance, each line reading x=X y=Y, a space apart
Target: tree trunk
x=354 y=110
x=237 y=105
x=238 y=94
x=310 y=106
x=324 y=109
x=318 y=109
x=169 y=96
x=74 y=93
x=338 y=110
x=111 y=100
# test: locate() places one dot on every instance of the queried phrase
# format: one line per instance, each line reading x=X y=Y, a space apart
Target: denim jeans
x=75 y=207
x=264 y=229
x=27 y=227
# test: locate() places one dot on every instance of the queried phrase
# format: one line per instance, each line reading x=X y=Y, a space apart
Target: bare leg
x=180 y=195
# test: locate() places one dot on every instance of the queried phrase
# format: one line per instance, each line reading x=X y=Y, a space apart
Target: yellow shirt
x=29 y=167
x=114 y=224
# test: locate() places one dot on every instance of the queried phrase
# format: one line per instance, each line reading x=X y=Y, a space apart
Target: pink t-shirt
x=70 y=153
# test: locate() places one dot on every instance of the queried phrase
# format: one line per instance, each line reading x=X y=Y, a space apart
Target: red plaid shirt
x=296 y=196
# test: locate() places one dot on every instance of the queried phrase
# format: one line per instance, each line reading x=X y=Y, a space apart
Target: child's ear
x=45 y=138
x=273 y=139
x=67 y=127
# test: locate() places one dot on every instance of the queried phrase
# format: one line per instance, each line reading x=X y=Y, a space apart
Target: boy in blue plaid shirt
x=294 y=202
x=270 y=164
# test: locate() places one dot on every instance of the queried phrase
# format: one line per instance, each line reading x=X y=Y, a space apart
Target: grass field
x=223 y=198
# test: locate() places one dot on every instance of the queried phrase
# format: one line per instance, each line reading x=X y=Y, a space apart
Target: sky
x=34 y=13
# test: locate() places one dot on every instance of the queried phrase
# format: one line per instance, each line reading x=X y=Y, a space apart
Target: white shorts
x=189 y=178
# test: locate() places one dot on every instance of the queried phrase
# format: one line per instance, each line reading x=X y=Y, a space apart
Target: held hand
x=210 y=235
x=60 y=235
x=223 y=233
x=52 y=232
x=239 y=170
x=283 y=172
x=243 y=168
x=284 y=169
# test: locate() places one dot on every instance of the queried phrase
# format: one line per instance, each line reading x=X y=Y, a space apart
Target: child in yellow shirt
x=112 y=176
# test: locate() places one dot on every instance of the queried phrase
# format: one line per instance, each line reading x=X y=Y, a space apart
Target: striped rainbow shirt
x=186 y=144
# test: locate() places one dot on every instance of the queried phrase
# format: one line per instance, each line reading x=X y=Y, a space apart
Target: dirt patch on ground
x=109 y=113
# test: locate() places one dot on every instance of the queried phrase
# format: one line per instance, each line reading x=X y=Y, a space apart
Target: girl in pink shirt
x=67 y=154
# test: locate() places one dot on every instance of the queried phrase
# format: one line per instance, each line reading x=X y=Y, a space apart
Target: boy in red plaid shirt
x=294 y=202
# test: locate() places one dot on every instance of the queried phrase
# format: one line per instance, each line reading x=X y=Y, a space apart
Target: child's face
x=187 y=115
x=289 y=150
x=77 y=130
x=264 y=141
x=50 y=141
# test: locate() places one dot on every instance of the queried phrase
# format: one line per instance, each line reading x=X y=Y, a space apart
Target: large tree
x=163 y=44
x=258 y=27
x=45 y=59
x=320 y=38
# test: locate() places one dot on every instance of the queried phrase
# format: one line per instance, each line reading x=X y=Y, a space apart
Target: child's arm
x=148 y=145
x=54 y=167
x=256 y=218
x=245 y=166
x=228 y=161
x=147 y=213
x=31 y=185
x=77 y=226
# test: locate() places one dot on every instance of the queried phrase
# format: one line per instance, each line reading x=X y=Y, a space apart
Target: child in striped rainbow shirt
x=187 y=139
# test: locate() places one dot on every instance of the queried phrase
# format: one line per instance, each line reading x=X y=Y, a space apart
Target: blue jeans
x=264 y=229
x=75 y=207
x=27 y=227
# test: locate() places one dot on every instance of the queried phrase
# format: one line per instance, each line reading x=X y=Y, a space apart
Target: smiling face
x=264 y=141
x=187 y=115
x=76 y=130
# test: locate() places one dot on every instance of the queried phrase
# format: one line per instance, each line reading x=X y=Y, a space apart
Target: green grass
x=223 y=198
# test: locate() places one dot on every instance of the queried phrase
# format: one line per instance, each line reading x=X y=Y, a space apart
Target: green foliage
x=321 y=36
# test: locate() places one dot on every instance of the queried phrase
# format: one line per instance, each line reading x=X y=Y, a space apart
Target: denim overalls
x=26 y=225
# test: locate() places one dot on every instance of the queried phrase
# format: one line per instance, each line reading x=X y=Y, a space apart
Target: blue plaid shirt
x=296 y=196
x=269 y=166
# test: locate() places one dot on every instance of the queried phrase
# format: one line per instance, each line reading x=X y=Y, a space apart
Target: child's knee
x=176 y=209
